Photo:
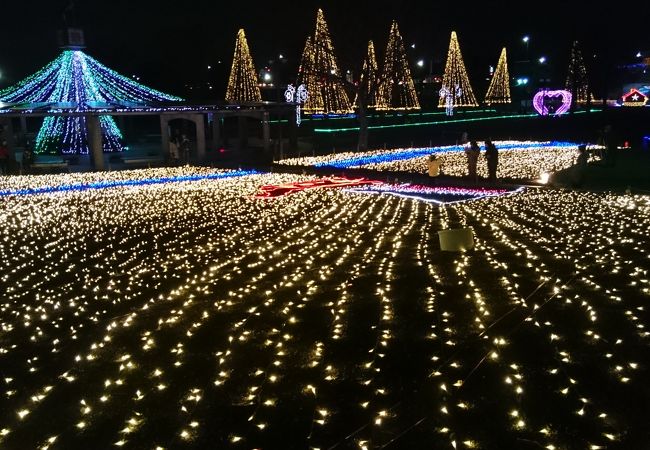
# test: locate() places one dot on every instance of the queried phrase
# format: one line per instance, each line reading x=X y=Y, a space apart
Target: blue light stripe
x=420 y=152
x=121 y=183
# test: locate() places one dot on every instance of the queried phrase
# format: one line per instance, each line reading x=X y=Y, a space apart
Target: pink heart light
x=540 y=107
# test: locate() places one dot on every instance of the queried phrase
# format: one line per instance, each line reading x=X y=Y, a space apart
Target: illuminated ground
x=190 y=315
x=518 y=160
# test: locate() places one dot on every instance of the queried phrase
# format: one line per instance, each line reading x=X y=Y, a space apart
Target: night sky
x=170 y=44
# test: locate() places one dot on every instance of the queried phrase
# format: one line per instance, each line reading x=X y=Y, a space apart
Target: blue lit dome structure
x=77 y=80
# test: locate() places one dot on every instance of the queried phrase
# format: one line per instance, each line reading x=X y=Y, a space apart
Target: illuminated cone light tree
x=319 y=71
x=396 y=90
x=499 y=90
x=307 y=76
x=76 y=79
x=577 y=82
x=455 y=78
x=369 y=77
x=243 y=85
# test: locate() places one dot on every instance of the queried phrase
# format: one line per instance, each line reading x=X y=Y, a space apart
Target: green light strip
x=441 y=122
x=440 y=113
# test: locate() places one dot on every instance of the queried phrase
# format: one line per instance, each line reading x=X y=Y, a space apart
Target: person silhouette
x=492 y=156
x=433 y=165
x=473 y=152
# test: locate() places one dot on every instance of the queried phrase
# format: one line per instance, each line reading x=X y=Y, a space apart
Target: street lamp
x=525 y=39
x=542 y=59
x=420 y=63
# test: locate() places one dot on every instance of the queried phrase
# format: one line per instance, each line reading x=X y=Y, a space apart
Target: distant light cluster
x=513 y=163
x=517 y=159
x=37 y=184
x=193 y=315
x=75 y=78
x=438 y=194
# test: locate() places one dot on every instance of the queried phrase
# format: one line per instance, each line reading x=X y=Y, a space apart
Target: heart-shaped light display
x=541 y=96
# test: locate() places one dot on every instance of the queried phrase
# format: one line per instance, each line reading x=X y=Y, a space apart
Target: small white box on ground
x=456 y=240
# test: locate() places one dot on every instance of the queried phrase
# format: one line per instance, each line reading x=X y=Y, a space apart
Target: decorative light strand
x=455 y=76
x=577 y=81
x=370 y=76
x=396 y=88
x=320 y=72
x=499 y=90
x=75 y=78
x=517 y=159
x=243 y=85
x=133 y=316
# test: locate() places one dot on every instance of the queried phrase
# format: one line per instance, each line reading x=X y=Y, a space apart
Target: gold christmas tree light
x=243 y=84
x=499 y=90
x=577 y=82
x=369 y=76
x=307 y=75
x=455 y=79
x=319 y=71
x=396 y=90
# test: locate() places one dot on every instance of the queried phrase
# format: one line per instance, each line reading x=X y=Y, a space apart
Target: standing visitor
x=492 y=156
x=473 y=152
x=433 y=165
x=4 y=158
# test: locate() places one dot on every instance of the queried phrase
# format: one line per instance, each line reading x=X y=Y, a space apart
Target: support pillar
x=7 y=134
x=216 y=132
x=121 y=123
x=242 y=122
x=200 y=138
x=280 y=138
x=164 y=133
x=266 y=130
x=293 y=133
x=23 y=128
x=95 y=142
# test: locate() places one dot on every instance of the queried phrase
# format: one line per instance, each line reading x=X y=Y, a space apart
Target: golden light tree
x=455 y=80
x=499 y=90
x=307 y=75
x=369 y=77
x=320 y=72
x=396 y=90
x=243 y=84
x=577 y=81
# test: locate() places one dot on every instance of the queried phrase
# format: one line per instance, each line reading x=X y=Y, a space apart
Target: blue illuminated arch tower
x=78 y=80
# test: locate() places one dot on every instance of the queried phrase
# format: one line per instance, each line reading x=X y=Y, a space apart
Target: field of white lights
x=192 y=308
x=518 y=160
